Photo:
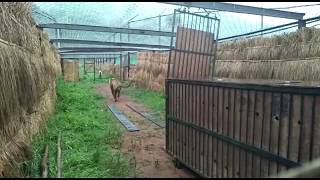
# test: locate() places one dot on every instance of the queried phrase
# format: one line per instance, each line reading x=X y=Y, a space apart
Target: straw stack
x=29 y=66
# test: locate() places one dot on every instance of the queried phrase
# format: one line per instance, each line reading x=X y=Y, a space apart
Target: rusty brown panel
x=215 y=129
x=250 y=131
x=210 y=127
x=194 y=133
x=180 y=37
x=188 y=119
x=170 y=113
x=182 y=117
x=266 y=132
x=231 y=125
x=220 y=121
x=206 y=126
x=237 y=125
x=284 y=128
x=243 y=130
x=259 y=112
x=225 y=131
x=276 y=104
x=201 y=124
x=306 y=129
x=294 y=128
x=176 y=124
x=316 y=130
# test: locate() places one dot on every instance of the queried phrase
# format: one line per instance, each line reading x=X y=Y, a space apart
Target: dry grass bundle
x=29 y=67
x=303 y=43
x=151 y=69
x=304 y=70
x=17 y=25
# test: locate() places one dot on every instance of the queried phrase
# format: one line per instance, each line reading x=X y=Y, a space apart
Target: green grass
x=91 y=135
x=151 y=99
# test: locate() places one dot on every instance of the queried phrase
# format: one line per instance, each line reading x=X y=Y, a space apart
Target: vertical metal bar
x=166 y=114
x=120 y=67
x=94 y=69
x=128 y=65
x=159 y=40
x=312 y=125
x=171 y=43
x=289 y=124
x=189 y=72
x=234 y=131
x=84 y=65
x=301 y=129
x=185 y=47
x=215 y=49
x=178 y=60
x=208 y=50
x=200 y=60
x=205 y=49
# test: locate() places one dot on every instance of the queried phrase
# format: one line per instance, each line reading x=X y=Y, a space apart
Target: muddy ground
x=147 y=145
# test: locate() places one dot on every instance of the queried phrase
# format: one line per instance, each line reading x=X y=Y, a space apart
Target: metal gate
x=233 y=128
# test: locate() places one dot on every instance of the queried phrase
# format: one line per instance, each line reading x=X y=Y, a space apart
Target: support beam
x=241 y=9
x=103 y=49
x=106 y=43
x=105 y=29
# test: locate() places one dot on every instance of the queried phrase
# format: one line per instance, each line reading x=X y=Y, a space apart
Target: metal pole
x=120 y=66
x=94 y=70
x=128 y=64
x=84 y=65
x=128 y=34
x=262 y=19
x=159 y=29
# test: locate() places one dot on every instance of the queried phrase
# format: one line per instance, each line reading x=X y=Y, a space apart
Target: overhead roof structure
x=105 y=29
x=108 y=46
x=241 y=9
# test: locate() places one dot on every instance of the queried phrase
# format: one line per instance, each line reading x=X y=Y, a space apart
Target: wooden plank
x=258 y=131
x=250 y=130
x=266 y=132
x=237 y=125
x=220 y=121
x=276 y=104
x=304 y=154
x=243 y=131
x=284 y=128
x=231 y=124
x=225 y=131
x=316 y=132
x=123 y=119
x=294 y=128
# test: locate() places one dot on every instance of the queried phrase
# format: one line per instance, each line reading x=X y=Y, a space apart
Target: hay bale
x=29 y=67
x=71 y=71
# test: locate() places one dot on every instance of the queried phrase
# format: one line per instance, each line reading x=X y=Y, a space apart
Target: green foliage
x=91 y=135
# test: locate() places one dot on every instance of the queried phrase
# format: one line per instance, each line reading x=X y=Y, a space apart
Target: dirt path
x=147 y=145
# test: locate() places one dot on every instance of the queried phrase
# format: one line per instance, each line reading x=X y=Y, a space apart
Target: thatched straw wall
x=29 y=66
x=293 y=56
x=151 y=70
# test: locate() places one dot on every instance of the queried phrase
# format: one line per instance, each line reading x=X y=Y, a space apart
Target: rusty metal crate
x=238 y=128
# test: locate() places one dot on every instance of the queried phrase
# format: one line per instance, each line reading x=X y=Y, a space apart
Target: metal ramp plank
x=123 y=119
x=148 y=117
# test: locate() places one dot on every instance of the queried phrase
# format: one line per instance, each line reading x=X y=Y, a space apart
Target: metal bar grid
x=193 y=54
